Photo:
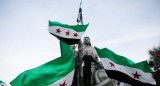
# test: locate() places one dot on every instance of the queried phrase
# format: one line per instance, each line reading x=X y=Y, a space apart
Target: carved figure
x=98 y=75
x=101 y=77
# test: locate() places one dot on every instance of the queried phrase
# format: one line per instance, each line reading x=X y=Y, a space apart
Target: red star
x=64 y=84
x=75 y=34
x=136 y=75
x=58 y=30
x=112 y=65
x=67 y=33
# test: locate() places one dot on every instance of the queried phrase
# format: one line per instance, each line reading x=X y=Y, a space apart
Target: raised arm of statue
x=80 y=45
x=80 y=49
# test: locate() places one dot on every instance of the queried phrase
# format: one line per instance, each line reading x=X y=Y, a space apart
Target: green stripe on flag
x=65 y=49
x=82 y=20
x=106 y=53
x=1 y=82
x=81 y=3
x=77 y=28
x=48 y=73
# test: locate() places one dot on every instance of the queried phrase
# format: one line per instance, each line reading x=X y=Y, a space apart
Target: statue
x=82 y=47
x=101 y=77
x=98 y=75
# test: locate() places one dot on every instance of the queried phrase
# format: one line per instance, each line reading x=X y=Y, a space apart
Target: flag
x=2 y=83
x=70 y=34
x=80 y=18
x=58 y=72
x=124 y=70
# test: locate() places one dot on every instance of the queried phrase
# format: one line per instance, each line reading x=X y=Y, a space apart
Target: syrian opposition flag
x=58 y=72
x=80 y=18
x=124 y=70
x=70 y=34
x=2 y=83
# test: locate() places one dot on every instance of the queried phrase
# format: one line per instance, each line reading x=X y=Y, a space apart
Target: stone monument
x=98 y=76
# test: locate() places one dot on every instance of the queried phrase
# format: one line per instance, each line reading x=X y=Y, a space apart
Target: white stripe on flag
x=67 y=79
x=53 y=30
x=3 y=84
x=145 y=77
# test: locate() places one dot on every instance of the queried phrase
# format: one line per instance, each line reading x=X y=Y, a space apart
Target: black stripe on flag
x=79 y=15
x=117 y=75
x=69 y=41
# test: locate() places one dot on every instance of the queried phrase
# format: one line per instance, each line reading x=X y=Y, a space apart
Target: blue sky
x=127 y=27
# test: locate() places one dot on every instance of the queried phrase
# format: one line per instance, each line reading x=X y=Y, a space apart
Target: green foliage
x=155 y=52
x=155 y=63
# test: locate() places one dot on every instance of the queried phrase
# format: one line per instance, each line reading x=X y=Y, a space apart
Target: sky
x=128 y=27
